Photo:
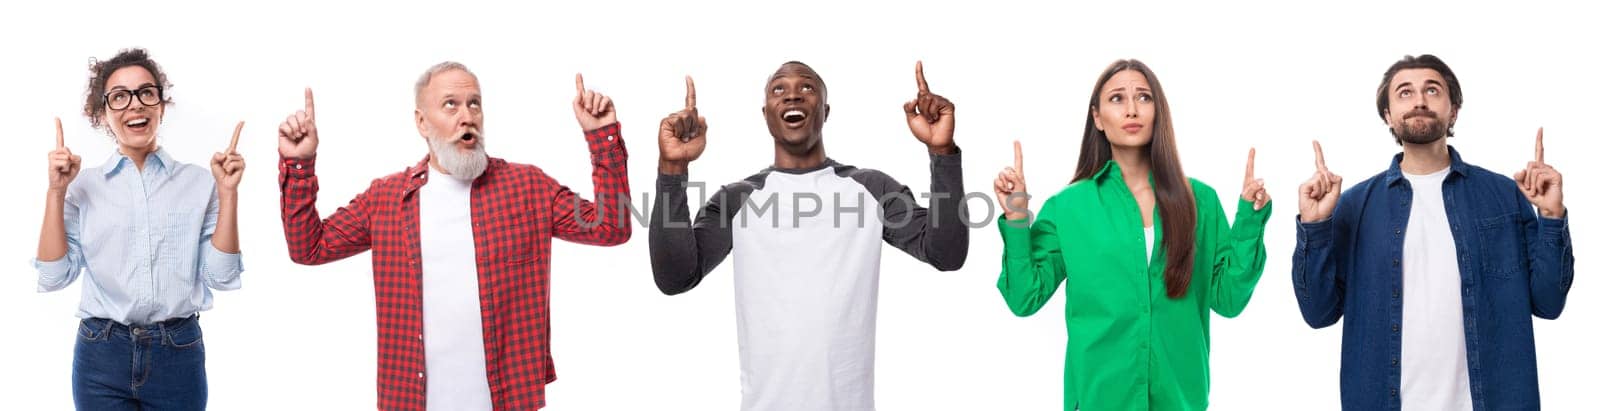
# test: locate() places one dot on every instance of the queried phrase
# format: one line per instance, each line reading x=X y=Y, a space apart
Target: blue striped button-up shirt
x=142 y=241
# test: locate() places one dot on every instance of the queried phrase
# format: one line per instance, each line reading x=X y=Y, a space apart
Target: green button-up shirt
x=1129 y=347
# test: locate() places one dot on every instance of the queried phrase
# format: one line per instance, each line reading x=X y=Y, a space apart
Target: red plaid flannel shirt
x=516 y=210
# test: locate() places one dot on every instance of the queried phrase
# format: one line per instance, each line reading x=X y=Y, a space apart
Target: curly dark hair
x=94 y=104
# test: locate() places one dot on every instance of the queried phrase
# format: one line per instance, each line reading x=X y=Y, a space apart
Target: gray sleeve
x=682 y=254
x=935 y=235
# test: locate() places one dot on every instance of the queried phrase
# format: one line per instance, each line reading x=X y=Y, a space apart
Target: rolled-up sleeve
x=58 y=274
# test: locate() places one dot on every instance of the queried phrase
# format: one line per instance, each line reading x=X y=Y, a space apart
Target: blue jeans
x=159 y=366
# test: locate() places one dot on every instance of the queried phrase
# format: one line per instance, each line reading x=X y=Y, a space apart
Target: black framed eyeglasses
x=123 y=98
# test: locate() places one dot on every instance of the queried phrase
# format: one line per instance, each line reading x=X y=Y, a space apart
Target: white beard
x=462 y=165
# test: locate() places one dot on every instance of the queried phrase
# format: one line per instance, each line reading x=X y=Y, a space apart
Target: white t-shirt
x=1433 y=345
x=1149 y=244
x=452 y=322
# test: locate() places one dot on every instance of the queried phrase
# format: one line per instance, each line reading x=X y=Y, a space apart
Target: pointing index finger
x=1250 y=166
x=580 y=83
x=61 y=139
x=1321 y=165
x=311 y=105
x=689 y=99
x=235 y=143
x=922 y=83
x=1016 y=152
x=1538 y=147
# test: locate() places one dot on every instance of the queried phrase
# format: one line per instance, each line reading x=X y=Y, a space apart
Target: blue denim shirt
x=1514 y=265
x=143 y=241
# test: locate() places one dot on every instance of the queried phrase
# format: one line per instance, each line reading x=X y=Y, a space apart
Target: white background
x=1265 y=75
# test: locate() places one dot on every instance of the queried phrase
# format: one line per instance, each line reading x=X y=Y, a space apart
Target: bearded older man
x=461 y=260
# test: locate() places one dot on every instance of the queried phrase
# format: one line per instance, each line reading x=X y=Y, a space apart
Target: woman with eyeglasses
x=1145 y=252
x=150 y=237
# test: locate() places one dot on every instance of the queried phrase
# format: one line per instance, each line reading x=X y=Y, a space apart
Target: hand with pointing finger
x=1255 y=189
x=594 y=110
x=228 y=166
x=932 y=118
x=1541 y=183
x=1320 y=194
x=682 y=135
x=297 y=136
x=1011 y=188
x=64 y=165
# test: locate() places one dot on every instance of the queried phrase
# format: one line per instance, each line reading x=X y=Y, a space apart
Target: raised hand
x=594 y=110
x=1255 y=189
x=64 y=165
x=932 y=118
x=1011 y=188
x=228 y=166
x=297 y=136
x=682 y=135
x=1319 y=194
x=1541 y=183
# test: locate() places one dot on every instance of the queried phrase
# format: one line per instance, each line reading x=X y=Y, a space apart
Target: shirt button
x=1396 y=262
x=1395 y=328
x=1393 y=392
x=419 y=375
x=1396 y=293
x=611 y=138
x=1396 y=231
x=297 y=167
x=419 y=337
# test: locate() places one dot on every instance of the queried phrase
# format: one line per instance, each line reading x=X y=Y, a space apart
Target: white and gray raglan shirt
x=805 y=272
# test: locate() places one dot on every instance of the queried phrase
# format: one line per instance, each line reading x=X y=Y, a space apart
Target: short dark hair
x=94 y=104
x=1425 y=61
x=813 y=71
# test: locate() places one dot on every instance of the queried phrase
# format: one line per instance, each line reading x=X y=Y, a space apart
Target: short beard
x=462 y=166
x=1421 y=135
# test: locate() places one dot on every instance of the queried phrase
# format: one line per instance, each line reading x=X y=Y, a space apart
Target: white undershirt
x=452 y=322
x=1433 y=350
x=1149 y=244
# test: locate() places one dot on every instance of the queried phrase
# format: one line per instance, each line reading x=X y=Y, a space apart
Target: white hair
x=427 y=76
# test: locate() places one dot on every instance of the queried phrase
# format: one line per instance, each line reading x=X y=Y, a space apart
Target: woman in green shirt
x=1138 y=332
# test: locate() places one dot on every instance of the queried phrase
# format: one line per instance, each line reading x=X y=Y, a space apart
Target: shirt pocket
x=1500 y=247
x=512 y=239
x=181 y=227
x=178 y=247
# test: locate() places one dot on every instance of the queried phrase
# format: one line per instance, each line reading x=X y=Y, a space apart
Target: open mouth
x=138 y=124
x=469 y=137
x=793 y=116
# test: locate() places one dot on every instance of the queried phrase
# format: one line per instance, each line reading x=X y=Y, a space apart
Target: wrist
x=596 y=126
x=673 y=167
x=1562 y=213
x=943 y=150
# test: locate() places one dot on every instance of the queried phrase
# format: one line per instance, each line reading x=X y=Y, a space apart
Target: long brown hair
x=1173 y=195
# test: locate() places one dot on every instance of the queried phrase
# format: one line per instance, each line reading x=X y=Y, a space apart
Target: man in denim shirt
x=1436 y=263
